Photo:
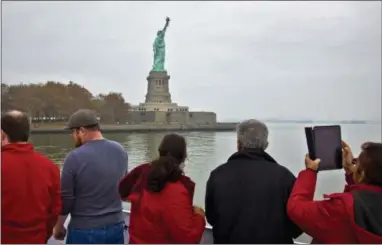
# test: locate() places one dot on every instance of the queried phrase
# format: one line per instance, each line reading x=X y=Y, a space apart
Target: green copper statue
x=159 y=48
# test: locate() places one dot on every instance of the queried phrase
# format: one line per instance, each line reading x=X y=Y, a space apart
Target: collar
x=252 y=154
x=365 y=187
x=353 y=188
x=17 y=147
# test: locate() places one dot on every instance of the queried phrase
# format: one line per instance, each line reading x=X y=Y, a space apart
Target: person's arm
x=348 y=163
x=129 y=180
x=209 y=202
x=127 y=163
x=316 y=218
x=68 y=195
x=184 y=225
x=349 y=181
x=349 y=168
x=56 y=203
x=294 y=230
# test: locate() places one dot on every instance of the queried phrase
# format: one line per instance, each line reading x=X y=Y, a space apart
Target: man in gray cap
x=81 y=122
x=89 y=181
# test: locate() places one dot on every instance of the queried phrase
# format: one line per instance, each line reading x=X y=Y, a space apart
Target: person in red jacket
x=161 y=198
x=30 y=185
x=354 y=216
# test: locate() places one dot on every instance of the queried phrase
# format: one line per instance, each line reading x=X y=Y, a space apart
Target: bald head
x=15 y=125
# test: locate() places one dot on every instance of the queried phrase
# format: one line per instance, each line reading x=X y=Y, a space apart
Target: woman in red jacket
x=354 y=216
x=161 y=198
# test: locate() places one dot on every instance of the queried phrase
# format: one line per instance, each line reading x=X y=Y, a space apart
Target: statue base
x=158 y=71
x=158 y=87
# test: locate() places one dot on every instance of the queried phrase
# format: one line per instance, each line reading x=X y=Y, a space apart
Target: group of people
x=249 y=199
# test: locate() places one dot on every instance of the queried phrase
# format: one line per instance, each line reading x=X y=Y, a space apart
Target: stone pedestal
x=159 y=109
x=158 y=88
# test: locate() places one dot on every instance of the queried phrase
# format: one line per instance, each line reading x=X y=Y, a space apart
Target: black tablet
x=324 y=142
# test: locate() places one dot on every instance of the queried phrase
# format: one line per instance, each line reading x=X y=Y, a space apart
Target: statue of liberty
x=159 y=48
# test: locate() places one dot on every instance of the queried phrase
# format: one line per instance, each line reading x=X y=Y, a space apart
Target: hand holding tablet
x=324 y=143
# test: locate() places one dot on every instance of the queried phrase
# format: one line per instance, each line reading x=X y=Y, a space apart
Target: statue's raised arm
x=166 y=25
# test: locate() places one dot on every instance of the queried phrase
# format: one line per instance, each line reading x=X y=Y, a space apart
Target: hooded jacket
x=30 y=195
x=164 y=218
x=354 y=216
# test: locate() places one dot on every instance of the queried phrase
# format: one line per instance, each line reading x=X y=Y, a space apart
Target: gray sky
x=319 y=60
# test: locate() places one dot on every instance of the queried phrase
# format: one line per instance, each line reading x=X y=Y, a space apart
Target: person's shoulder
x=74 y=156
x=284 y=170
x=112 y=142
x=283 y=173
x=219 y=169
x=115 y=144
x=174 y=189
x=75 y=153
x=335 y=204
x=232 y=162
x=42 y=159
x=175 y=192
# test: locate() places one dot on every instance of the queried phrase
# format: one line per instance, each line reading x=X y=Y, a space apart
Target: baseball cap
x=82 y=118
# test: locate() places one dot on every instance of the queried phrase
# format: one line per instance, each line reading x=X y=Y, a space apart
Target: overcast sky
x=319 y=60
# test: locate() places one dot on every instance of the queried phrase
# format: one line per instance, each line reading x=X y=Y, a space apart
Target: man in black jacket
x=246 y=197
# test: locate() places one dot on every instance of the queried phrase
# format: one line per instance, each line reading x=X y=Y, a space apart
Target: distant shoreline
x=322 y=121
x=219 y=127
x=125 y=128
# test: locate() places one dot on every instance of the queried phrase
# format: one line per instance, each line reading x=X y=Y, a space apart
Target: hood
x=368 y=215
x=17 y=147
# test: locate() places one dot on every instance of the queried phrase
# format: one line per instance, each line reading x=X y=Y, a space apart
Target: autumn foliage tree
x=55 y=101
x=112 y=107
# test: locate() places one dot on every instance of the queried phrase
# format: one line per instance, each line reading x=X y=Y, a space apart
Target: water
x=207 y=150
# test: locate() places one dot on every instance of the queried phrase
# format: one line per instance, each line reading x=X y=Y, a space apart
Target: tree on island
x=55 y=102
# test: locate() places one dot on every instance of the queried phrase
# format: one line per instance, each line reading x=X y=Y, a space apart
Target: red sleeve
x=349 y=181
x=318 y=219
x=127 y=183
x=55 y=195
x=183 y=224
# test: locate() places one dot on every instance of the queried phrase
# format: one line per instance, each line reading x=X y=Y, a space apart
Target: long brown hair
x=166 y=168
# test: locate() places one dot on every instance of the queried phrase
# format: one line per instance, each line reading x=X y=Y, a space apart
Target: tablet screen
x=327 y=144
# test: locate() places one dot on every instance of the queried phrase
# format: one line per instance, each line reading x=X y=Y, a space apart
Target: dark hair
x=15 y=125
x=166 y=168
x=371 y=162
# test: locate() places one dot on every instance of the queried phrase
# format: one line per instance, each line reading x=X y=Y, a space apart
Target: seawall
x=125 y=128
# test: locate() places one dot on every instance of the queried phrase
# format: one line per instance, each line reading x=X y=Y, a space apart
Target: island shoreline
x=143 y=128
